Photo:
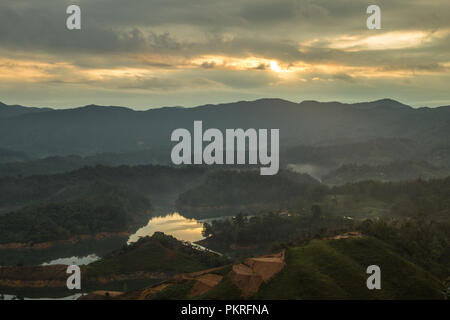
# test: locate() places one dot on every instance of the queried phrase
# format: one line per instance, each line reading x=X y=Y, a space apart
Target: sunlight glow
x=385 y=41
x=274 y=66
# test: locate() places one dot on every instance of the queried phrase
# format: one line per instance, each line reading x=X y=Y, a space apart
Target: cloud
x=344 y=77
x=383 y=41
x=234 y=48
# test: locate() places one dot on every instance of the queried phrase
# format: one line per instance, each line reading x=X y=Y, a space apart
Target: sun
x=274 y=66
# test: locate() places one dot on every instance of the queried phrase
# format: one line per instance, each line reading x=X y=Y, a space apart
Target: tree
x=316 y=211
x=239 y=220
x=207 y=230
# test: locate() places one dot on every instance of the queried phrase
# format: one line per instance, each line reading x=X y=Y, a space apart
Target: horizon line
x=53 y=108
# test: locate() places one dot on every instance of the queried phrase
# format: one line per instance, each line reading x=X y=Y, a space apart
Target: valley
x=142 y=228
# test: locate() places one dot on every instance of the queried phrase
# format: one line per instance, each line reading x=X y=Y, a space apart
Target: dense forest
x=371 y=152
x=394 y=171
x=247 y=188
x=250 y=193
x=105 y=208
x=18 y=164
x=405 y=199
x=148 y=180
x=270 y=228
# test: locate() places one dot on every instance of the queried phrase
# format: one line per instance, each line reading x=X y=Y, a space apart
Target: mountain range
x=97 y=129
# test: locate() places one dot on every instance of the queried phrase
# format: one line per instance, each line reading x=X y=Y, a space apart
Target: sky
x=152 y=53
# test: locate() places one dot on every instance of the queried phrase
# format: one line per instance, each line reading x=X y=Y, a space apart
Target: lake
x=172 y=224
x=74 y=260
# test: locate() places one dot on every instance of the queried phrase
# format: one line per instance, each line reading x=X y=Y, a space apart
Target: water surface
x=79 y=261
x=172 y=224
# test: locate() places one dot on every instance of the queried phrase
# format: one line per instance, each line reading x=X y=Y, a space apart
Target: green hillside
x=159 y=253
x=336 y=269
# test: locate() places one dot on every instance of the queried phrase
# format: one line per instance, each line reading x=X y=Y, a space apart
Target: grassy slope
x=335 y=269
x=331 y=269
x=225 y=290
x=150 y=256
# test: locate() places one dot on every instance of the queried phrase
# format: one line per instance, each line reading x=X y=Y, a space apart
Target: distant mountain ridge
x=17 y=110
x=95 y=129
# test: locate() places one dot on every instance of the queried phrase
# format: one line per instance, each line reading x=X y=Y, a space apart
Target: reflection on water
x=173 y=224
x=13 y=297
x=80 y=252
x=74 y=260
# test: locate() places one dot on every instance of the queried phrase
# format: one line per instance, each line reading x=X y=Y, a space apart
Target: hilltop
x=321 y=269
x=159 y=253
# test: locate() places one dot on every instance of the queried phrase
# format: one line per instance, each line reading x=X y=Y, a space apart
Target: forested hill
x=247 y=192
x=157 y=253
x=96 y=129
x=234 y=190
x=102 y=208
x=149 y=180
x=86 y=201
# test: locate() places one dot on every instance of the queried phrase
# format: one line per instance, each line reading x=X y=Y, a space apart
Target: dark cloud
x=195 y=27
x=343 y=77
x=208 y=65
x=268 y=12
x=432 y=67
